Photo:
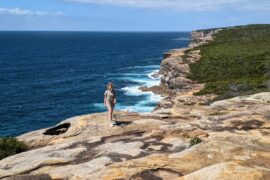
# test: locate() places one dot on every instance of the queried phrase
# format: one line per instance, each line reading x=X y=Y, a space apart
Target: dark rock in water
x=166 y=55
x=62 y=128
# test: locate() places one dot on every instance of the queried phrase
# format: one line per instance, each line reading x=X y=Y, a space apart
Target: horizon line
x=97 y=31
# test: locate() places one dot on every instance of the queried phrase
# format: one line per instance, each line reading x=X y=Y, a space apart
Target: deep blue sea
x=46 y=77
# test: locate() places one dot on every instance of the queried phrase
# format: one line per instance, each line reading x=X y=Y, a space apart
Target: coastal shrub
x=194 y=141
x=236 y=63
x=10 y=146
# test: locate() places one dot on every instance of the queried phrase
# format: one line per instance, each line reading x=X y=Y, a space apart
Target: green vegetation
x=194 y=141
x=10 y=146
x=236 y=63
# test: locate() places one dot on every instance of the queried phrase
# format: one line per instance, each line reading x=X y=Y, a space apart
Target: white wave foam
x=99 y=105
x=145 y=78
x=132 y=90
x=155 y=98
x=141 y=81
x=134 y=79
x=135 y=108
x=154 y=75
x=135 y=90
x=143 y=105
x=182 y=39
x=149 y=80
x=140 y=76
x=142 y=67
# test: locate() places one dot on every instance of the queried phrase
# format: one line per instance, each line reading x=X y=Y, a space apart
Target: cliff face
x=175 y=66
x=203 y=35
x=175 y=71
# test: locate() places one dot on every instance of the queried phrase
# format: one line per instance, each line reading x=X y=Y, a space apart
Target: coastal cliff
x=175 y=72
x=175 y=67
x=188 y=136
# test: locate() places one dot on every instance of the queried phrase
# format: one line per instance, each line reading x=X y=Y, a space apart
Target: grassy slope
x=236 y=63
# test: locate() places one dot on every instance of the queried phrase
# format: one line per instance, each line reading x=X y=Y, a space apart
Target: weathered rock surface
x=175 y=66
x=174 y=71
x=235 y=134
x=202 y=36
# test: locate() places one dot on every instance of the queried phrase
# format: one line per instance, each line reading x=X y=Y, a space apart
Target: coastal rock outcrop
x=203 y=36
x=235 y=143
x=175 y=68
x=175 y=71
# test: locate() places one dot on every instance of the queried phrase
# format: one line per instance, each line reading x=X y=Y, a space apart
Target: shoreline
x=174 y=71
x=156 y=92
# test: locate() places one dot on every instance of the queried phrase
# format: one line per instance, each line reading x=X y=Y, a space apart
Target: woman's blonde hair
x=110 y=84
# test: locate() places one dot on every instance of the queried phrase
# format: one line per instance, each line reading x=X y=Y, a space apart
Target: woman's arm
x=114 y=101
x=104 y=100
x=105 y=94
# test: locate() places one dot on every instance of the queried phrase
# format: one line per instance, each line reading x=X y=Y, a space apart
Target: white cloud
x=186 y=5
x=25 y=12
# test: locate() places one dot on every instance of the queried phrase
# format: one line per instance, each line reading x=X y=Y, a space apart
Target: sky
x=130 y=15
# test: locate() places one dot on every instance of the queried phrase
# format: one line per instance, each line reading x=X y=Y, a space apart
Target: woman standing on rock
x=110 y=101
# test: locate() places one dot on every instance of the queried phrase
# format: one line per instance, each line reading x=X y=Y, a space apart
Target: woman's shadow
x=122 y=123
x=119 y=122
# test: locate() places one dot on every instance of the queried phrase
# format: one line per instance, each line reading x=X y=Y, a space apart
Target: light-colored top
x=109 y=95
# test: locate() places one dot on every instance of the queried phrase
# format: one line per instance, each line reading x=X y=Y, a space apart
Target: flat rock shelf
x=235 y=136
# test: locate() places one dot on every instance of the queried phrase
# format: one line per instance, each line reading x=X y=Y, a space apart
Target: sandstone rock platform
x=235 y=144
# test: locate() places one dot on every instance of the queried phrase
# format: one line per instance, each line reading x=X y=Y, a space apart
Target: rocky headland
x=186 y=137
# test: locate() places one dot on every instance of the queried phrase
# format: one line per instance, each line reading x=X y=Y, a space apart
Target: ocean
x=46 y=77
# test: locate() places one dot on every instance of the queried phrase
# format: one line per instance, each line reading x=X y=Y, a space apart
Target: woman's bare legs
x=110 y=111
